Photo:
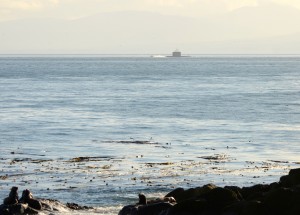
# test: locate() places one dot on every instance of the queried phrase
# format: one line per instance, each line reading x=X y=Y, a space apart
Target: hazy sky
x=72 y=9
x=145 y=26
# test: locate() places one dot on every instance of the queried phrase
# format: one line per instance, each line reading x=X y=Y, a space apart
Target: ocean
x=98 y=130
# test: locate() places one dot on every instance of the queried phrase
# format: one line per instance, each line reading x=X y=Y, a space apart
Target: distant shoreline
x=150 y=55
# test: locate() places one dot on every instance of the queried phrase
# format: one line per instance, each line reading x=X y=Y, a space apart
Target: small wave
x=158 y=56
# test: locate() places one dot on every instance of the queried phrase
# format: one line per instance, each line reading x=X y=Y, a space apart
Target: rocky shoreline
x=277 y=198
x=49 y=206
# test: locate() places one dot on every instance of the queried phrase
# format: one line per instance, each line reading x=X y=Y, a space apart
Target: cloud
x=21 y=5
x=195 y=7
x=18 y=9
x=293 y=3
x=26 y=4
x=54 y=1
x=215 y=4
x=166 y=3
x=235 y=4
x=65 y=9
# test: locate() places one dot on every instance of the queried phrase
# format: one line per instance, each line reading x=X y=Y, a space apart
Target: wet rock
x=51 y=205
x=75 y=206
x=180 y=194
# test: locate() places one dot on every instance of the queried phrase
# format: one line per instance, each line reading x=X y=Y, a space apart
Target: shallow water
x=223 y=120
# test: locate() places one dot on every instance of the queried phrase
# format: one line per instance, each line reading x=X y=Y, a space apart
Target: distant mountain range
x=269 y=29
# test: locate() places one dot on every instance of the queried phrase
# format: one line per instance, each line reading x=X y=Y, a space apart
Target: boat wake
x=158 y=56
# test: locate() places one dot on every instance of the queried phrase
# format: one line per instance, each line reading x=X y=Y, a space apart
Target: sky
x=72 y=9
x=150 y=26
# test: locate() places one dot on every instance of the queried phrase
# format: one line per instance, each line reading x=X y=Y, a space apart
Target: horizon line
x=145 y=54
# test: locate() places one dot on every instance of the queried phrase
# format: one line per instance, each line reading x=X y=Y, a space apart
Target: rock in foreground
x=29 y=206
x=278 y=198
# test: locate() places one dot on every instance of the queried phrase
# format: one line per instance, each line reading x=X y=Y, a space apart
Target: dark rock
x=219 y=198
x=295 y=210
x=13 y=209
x=30 y=210
x=127 y=210
x=207 y=202
x=274 y=185
x=149 y=209
x=233 y=209
x=189 y=207
x=180 y=194
x=177 y=193
x=144 y=207
x=237 y=191
x=292 y=179
x=295 y=173
x=246 y=208
x=253 y=208
x=153 y=209
x=255 y=192
x=285 y=181
x=280 y=201
x=281 y=198
x=35 y=204
x=17 y=209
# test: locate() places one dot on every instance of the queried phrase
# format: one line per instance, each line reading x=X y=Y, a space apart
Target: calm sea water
x=223 y=120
